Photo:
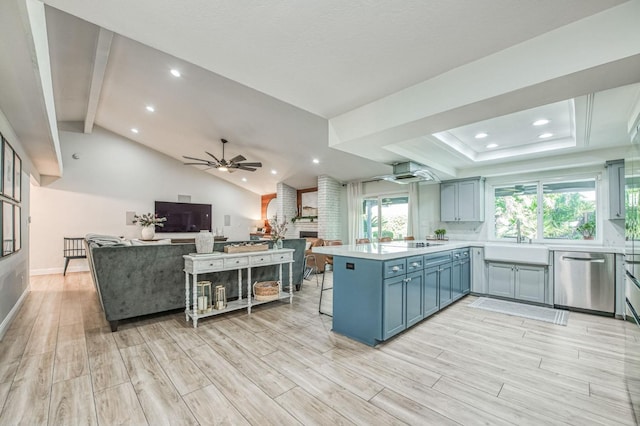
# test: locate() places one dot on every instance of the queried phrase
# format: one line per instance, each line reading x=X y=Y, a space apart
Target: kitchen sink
x=536 y=254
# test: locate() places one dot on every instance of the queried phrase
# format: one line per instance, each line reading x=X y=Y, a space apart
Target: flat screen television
x=184 y=217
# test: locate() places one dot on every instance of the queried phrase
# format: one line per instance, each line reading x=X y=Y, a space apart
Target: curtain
x=413 y=222
x=354 y=211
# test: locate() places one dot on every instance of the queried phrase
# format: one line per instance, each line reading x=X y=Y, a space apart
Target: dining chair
x=328 y=261
x=385 y=240
x=409 y=238
x=362 y=241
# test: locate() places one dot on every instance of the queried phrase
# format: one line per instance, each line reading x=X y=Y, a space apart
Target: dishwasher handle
x=582 y=259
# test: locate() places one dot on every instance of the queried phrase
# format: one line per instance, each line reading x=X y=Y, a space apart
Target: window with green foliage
x=385 y=216
x=632 y=209
x=568 y=210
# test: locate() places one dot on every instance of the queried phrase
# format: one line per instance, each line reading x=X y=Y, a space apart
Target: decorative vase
x=148 y=232
x=278 y=244
x=204 y=242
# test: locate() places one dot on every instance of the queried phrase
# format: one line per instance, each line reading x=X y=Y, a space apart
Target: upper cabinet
x=615 y=171
x=462 y=200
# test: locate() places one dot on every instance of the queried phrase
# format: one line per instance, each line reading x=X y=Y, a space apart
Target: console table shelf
x=195 y=264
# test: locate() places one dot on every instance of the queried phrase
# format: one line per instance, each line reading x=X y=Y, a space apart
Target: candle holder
x=204 y=301
x=221 y=297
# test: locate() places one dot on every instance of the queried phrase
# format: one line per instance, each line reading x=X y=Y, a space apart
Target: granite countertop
x=397 y=249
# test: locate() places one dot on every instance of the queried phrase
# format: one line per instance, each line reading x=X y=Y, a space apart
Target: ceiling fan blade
x=237 y=159
x=214 y=157
x=250 y=164
x=193 y=158
x=249 y=169
x=207 y=163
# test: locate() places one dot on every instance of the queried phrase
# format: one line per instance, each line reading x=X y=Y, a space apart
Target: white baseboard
x=12 y=313
x=59 y=270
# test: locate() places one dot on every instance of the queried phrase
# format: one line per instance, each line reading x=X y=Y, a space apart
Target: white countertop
x=397 y=249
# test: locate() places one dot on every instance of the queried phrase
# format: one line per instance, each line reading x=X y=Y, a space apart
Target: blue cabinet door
x=444 y=285
x=394 y=314
x=430 y=290
x=456 y=280
x=466 y=276
x=414 y=298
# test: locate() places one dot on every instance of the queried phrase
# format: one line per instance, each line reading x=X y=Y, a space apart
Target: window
x=385 y=216
x=568 y=210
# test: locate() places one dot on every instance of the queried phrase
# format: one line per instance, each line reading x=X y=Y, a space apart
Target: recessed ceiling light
x=150 y=108
x=175 y=73
x=481 y=135
x=134 y=130
x=541 y=122
x=492 y=145
x=274 y=172
x=316 y=161
x=244 y=179
x=545 y=135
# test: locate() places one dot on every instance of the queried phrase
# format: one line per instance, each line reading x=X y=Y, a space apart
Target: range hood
x=409 y=172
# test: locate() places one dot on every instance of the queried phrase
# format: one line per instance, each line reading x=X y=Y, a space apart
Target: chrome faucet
x=519 y=238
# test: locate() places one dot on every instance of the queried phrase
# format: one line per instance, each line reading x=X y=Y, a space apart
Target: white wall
x=112 y=176
x=14 y=269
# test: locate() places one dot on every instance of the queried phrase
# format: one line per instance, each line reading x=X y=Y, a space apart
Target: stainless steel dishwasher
x=584 y=281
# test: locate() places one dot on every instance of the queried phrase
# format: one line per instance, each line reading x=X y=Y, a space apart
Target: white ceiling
x=286 y=83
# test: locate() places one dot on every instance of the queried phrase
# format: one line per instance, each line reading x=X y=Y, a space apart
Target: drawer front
x=393 y=268
x=259 y=260
x=437 y=259
x=236 y=262
x=461 y=254
x=282 y=257
x=207 y=265
x=415 y=263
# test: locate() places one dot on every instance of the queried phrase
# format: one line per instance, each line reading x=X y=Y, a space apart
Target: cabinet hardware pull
x=415 y=264
x=395 y=268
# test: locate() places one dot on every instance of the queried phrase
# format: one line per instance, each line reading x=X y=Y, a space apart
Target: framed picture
x=17 y=240
x=7 y=228
x=17 y=177
x=1 y=163
x=7 y=175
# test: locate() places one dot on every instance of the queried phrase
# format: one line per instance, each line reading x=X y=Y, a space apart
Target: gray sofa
x=132 y=281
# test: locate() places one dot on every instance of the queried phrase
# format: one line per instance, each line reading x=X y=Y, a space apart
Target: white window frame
x=539 y=182
x=381 y=195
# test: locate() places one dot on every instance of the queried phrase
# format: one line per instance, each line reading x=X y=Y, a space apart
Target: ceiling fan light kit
x=236 y=163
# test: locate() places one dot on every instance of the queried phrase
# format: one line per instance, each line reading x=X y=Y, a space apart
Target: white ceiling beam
x=100 y=60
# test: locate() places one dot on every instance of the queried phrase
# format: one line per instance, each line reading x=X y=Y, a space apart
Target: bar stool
x=362 y=241
x=409 y=238
x=309 y=269
x=328 y=261
x=385 y=240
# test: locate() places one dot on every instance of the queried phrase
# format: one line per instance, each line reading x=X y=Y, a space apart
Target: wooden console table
x=195 y=264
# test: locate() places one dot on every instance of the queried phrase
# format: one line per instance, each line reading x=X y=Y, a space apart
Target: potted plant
x=440 y=233
x=149 y=221
x=587 y=229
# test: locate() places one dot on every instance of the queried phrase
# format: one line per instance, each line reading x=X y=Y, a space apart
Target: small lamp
x=221 y=297
x=204 y=300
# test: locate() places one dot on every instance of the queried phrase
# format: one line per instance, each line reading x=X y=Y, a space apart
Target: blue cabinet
x=374 y=300
x=461 y=274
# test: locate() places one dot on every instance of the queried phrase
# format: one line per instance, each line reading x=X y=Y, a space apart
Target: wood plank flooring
x=60 y=364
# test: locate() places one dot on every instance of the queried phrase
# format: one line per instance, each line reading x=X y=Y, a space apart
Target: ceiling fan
x=224 y=165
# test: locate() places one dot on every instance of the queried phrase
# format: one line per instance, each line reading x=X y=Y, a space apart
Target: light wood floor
x=60 y=364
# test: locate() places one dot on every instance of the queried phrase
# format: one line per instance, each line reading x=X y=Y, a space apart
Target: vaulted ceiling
x=357 y=86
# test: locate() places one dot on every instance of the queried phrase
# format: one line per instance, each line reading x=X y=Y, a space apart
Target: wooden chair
x=385 y=240
x=409 y=238
x=328 y=261
x=362 y=241
x=73 y=249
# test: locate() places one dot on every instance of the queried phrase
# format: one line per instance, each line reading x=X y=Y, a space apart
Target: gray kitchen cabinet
x=615 y=172
x=394 y=318
x=530 y=283
x=501 y=280
x=462 y=200
x=521 y=282
x=438 y=274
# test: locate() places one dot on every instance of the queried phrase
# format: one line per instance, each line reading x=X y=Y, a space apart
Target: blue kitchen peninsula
x=381 y=289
